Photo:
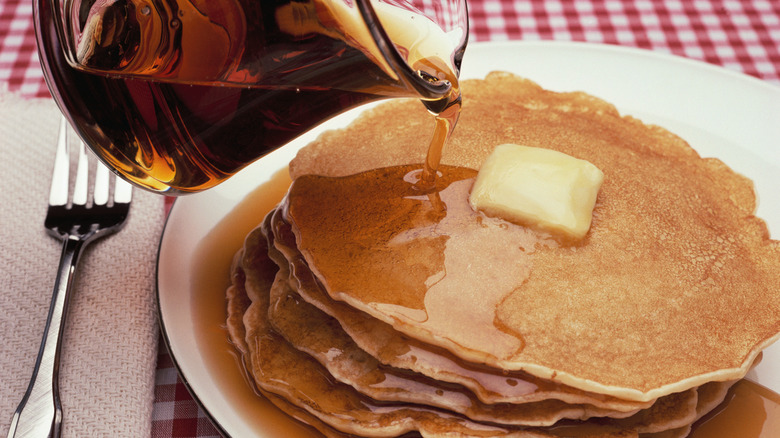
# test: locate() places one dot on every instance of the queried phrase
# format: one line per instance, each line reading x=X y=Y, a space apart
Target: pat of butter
x=539 y=188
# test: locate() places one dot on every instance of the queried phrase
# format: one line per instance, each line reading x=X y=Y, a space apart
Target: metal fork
x=76 y=223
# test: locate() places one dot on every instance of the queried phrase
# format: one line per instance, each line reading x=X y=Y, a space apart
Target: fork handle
x=39 y=414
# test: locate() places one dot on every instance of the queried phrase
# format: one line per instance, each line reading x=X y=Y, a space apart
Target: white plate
x=720 y=113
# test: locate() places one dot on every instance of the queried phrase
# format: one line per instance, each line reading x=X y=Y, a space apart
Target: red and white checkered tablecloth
x=739 y=35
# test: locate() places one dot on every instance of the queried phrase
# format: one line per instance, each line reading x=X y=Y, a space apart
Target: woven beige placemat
x=110 y=346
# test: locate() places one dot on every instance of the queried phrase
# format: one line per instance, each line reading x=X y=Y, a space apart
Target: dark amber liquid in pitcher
x=176 y=137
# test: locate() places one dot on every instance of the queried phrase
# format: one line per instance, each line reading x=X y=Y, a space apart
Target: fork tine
x=100 y=196
x=123 y=191
x=81 y=188
x=58 y=194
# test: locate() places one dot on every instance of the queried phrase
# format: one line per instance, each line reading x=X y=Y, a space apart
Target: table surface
x=742 y=36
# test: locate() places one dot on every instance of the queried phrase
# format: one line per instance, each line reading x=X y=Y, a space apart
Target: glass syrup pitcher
x=178 y=95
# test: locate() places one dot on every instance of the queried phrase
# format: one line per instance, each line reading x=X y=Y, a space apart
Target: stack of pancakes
x=364 y=305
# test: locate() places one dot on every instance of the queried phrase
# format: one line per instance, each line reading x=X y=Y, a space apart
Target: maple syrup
x=417 y=252
x=212 y=270
x=749 y=411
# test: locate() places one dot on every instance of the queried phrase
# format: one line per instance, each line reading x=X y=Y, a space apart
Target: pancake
x=664 y=419
x=303 y=385
x=666 y=413
x=283 y=372
x=391 y=348
x=312 y=332
x=710 y=396
x=674 y=285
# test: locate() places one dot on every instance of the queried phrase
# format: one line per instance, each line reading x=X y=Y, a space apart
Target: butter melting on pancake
x=675 y=284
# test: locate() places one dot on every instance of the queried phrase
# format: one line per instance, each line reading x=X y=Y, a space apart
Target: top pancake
x=675 y=284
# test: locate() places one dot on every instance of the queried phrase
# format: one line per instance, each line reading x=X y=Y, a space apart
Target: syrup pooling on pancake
x=416 y=256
